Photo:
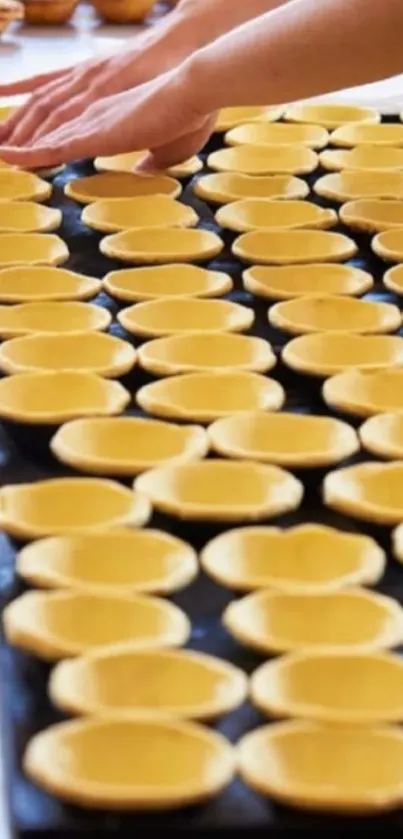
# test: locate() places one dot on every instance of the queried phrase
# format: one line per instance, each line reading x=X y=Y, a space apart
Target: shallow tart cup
x=33 y=283
x=359 y=134
x=88 y=352
x=69 y=505
x=323 y=313
x=264 y=213
x=372 y=215
x=289 y=247
x=220 y=490
x=16 y=185
x=382 y=435
x=393 y=279
x=362 y=157
x=389 y=245
x=352 y=619
x=155 y=683
x=128 y=162
x=48 y=13
x=114 y=214
x=10 y=10
x=107 y=185
x=152 y=282
x=280 y=133
x=205 y=352
x=205 y=397
x=369 y=491
x=126 y=445
x=285 y=282
x=349 y=185
x=63 y=318
x=329 y=114
x=167 y=316
x=28 y=217
x=249 y=558
x=59 y=624
x=230 y=117
x=154 y=245
x=224 y=187
x=307 y=685
x=364 y=393
x=51 y=398
x=182 y=763
x=311 y=766
x=290 y=440
x=32 y=249
x=264 y=160
x=123 y=11
x=118 y=560
x=327 y=353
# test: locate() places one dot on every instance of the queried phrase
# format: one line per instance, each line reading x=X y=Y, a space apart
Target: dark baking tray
x=25 y=707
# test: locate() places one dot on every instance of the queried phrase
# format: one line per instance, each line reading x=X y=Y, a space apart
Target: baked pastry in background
x=49 y=12
x=10 y=10
x=123 y=11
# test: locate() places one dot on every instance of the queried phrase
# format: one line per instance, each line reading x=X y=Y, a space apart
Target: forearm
x=304 y=49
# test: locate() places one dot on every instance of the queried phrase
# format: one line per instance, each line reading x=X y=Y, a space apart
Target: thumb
x=179 y=150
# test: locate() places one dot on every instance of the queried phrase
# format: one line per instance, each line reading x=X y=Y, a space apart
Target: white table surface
x=29 y=50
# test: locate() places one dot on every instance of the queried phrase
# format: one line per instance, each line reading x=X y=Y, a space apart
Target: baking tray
x=25 y=708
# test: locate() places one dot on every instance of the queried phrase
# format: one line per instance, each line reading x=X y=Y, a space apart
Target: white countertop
x=28 y=50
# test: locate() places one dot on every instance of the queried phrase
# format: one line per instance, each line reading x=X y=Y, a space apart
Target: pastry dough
x=120 y=185
x=286 y=282
x=172 y=316
x=63 y=318
x=114 y=214
x=123 y=11
x=389 y=245
x=32 y=249
x=157 y=683
x=351 y=185
x=119 y=560
x=69 y=505
x=154 y=245
x=369 y=491
x=203 y=352
x=276 y=134
x=397 y=543
x=54 y=398
x=22 y=186
x=264 y=160
x=204 y=397
x=352 y=619
x=221 y=490
x=307 y=685
x=330 y=115
x=224 y=187
x=392 y=279
x=230 y=117
x=128 y=163
x=49 y=12
x=182 y=763
x=59 y=624
x=126 y=445
x=289 y=247
x=327 y=353
x=263 y=213
x=383 y=435
x=33 y=283
x=329 y=312
x=365 y=392
x=90 y=352
x=28 y=217
x=358 y=134
x=177 y=280
x=289 y=440
x=362 y=158
x=372 y=215
x=249 y=558
x=291 y=763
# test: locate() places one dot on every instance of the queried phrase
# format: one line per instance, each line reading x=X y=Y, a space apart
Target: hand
x=164 y=115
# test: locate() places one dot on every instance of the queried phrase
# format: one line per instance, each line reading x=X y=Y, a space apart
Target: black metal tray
x=24 y=704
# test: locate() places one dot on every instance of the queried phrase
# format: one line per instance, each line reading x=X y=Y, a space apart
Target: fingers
x=32 y=83
x=66 y=113
x=10 y=127
x=180 y=149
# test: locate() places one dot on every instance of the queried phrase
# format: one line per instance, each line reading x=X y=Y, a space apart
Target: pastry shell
x=16 y=185
x=89 y=352
x=49 y=12
x=382 y=435
x=28 y=217
x=350 y=185
x=123 y=11
x=365 y=393
x=224 y=187
x=134 y=285
x=359 y=134
x=205 y=352
x=363 y=158
x=32 y=249
x=45 y=317
x=155 y=245
x=263 y=213
x=389 y=244
x=276 y=134
x=286 y=282
x=173 y=316
x=264 y=160
x=290 y=247
x=324 y=313
x=231 y=117
x=372 y=215
x=330 y=115
x=393 y=279
x=106 y=185
x=369 y=491
x=115 y=214
x=128 y=162
x=327 y=353
x=33 y=283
